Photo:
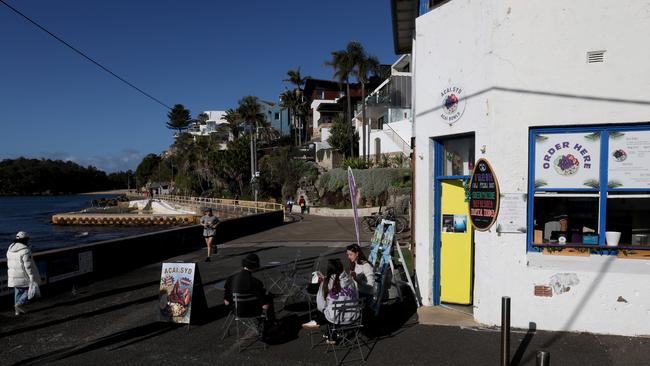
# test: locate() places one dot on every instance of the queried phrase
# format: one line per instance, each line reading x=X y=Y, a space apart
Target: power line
x=85 y=56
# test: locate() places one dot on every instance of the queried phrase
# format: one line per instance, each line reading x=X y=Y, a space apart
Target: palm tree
x=289 y=101
x=295 y=78
x=343 y=62
x=202 y=118
x=179 y=118
x=234 y=120
x=250 y=112
x=367 y=65
x=249 y=109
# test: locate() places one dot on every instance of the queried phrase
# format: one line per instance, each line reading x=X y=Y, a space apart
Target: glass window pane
x=567 y=160
x=628 y=159
x=575 y=218
x=630 y=215
x=458 y=155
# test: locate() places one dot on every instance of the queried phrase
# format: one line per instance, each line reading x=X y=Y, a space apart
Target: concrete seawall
x=62 y=268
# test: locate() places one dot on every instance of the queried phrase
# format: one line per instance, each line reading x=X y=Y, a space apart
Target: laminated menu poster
x=567 y=160
x=181 y=293
x=628 y=165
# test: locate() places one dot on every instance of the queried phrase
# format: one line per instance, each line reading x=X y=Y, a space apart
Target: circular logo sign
x=453 y=104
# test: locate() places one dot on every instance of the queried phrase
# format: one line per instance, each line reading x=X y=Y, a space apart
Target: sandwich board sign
x=181 y=293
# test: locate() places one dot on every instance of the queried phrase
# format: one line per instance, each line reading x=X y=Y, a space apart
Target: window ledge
x=594 y=247
x=590 y=264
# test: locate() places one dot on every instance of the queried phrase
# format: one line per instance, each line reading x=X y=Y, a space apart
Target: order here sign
x=483 y=196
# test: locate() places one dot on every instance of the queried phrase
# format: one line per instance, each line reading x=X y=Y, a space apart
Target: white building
x=556 y=96
x=388 y=112
x=211 y=125
x=214 y=125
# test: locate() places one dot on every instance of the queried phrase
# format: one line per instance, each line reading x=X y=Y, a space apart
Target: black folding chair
x=346 y=336
x=287 y=271
x=249 y=320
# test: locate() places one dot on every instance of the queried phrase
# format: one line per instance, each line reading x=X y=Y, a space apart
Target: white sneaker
x=311 y=325
x=19 y=310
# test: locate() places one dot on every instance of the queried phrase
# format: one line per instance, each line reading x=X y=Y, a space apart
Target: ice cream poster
x=176 y=287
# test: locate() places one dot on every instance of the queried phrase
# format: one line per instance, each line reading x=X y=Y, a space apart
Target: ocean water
x=34 y=214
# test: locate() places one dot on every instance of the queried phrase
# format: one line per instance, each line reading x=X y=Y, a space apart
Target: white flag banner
x=353 y=198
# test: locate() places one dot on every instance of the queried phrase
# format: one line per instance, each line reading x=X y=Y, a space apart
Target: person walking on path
x=21 y=270
x=303 y=205
x=209 y=222
x=289 y=204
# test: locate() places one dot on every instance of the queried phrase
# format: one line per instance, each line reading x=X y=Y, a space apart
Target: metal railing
x=222 y=204
x=397 y=139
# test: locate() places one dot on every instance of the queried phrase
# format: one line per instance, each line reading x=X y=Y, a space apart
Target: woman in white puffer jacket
x=21 y=270
x=337 y=286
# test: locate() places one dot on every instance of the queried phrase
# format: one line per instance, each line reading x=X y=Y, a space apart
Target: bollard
x=543 y=358
x=505 y=331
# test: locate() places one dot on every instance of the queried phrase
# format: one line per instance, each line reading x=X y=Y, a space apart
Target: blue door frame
x=437 y=190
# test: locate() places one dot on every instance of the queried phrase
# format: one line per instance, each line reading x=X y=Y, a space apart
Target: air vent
x=595 y=57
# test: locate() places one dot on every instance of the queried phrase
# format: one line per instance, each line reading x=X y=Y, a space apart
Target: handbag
x=34 y=291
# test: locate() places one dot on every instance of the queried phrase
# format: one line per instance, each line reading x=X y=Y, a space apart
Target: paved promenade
x=113 y=321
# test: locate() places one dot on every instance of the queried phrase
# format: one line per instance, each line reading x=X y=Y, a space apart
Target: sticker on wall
x=453 y=104
x=454 y=223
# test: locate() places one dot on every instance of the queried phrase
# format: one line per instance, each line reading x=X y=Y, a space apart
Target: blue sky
x=203 y=54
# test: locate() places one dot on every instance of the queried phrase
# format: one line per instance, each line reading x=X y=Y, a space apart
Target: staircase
x=309 y=191
x=404 y=146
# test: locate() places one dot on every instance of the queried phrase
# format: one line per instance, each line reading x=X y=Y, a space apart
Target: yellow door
x=456 y=245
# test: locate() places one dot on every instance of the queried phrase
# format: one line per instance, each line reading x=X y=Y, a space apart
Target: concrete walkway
x=113 y=321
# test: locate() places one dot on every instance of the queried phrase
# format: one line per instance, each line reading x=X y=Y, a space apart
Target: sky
x=205 y=55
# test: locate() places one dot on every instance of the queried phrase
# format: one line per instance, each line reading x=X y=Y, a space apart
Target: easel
x=381 y=245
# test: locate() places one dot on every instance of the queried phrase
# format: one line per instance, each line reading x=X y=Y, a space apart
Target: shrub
x=374 y=185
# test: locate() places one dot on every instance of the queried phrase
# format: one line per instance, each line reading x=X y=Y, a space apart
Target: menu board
x=512 y=213
x=483 y=196
x=567 y=160
x=628 y=165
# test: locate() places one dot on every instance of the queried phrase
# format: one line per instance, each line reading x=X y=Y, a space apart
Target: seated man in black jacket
x=244 y=283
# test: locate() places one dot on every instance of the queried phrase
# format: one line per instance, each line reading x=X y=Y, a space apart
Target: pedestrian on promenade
x=21 y=270
x=244 y=282
x=303 y=204
x=337 y=286
x=361 y=270
x=209 y=222
x=236 y=199
x=289 y=203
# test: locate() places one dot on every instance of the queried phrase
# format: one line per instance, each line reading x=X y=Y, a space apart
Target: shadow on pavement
x=134 y=335
x=523 y=346
x=89 y=314
x=96 y=296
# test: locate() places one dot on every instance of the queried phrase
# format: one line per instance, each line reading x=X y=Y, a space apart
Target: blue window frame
x=610 y=181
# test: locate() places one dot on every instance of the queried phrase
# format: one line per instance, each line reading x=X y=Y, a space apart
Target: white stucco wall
x=523 y=64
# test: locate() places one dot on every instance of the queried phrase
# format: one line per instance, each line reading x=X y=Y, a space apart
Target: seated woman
x=337 y=286
x=361 y=270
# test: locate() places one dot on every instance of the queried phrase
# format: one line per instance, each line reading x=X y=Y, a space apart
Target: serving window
x=590 y=188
